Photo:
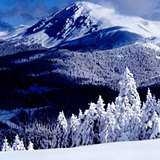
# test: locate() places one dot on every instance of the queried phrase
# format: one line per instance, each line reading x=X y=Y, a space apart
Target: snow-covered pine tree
x=18 y=144
x=54 y=138
x=72 y=130
x=78 y=135
x=151 y=104
x=5 y=146
x=148 y=109
x=61 y=131
x=93 y=128
x=30 y=146
x=128 y=109
x=101 y=122
x=155 y=126
x=111 y=122
x=80 y=114
x=158 y=107
x=87 y=128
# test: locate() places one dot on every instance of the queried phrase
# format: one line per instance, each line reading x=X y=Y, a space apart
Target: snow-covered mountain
x=143 y=150
x=82 y=20
x=16 y=32
x=104 y=43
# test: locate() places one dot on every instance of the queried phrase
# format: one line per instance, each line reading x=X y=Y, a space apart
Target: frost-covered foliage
x=18 y=144
x=126 y=119
x=30 y=146
x=61 y=131
x=149 y=113
x=105 y=67
x=128 y=109
x=12 y=47
x=72 y=130
x=111 y=123
x=6 y=147
x=93 y=128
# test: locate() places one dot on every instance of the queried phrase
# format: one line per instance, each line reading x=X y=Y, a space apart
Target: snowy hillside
x=81 y=19
x=78 y=26
x=16 y=32
x=143 y=150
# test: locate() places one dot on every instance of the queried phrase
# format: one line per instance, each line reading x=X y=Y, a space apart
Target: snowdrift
x=142 y=150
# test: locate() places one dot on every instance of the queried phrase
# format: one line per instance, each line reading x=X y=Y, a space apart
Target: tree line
x=126 y=119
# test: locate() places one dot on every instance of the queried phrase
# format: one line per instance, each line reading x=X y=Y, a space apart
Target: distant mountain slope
x=83 y=48
x=142 y=150
x=109 y=38
x=89 y=67
x=82 y=25
x=84 y=18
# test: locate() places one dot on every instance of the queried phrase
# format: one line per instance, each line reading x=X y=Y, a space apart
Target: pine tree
x=148 y=109
x=87 y=129
x=128 y=109
x=61 y=131
x=78 y=135
x=72 y=130
x=155 y=126
x=151 y=105
x=111 y=123
x=5 y=146
x=101 y=122
x=93 y=128
x=80 y=114
x=18 y=144
x=30 y=146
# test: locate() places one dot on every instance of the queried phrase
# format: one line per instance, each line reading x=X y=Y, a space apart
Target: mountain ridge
x=89 y=55
x=82 y=19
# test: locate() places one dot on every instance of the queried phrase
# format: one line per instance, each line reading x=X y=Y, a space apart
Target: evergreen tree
x=148 y=109
x=5 y=146
x=93 y=128
x=72 y=130
x=155 y=126
x=111 y=123
x=151 y=105
x=101 y=122
x=18 y=144
x=87 y=129
x=78 y=135
x=30 y=146
x=61 y=131
x=128 y=109
x=80 y=114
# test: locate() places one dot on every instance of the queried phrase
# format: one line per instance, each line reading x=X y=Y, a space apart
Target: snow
x=142 y=150
x=29 y=59
x=95 y=16
x=17 y=32
x=85 y=17
x=151 y=46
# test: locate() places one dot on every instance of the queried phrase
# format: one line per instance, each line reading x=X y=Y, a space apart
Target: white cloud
x=143 y=8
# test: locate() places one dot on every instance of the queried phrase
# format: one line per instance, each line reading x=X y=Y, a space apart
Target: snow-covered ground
x=143 y=150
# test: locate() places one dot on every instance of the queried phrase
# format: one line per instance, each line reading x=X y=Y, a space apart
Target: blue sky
x=16 y=12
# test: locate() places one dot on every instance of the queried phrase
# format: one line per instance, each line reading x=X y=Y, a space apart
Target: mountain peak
x=86 y=4
x=76 y=15
x=83 y=18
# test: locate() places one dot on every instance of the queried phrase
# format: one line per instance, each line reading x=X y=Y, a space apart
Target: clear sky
x=16 y=12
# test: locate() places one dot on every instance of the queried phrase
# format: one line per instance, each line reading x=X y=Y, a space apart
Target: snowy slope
x=83 y=18
x=144 y=150
x=16 y=32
